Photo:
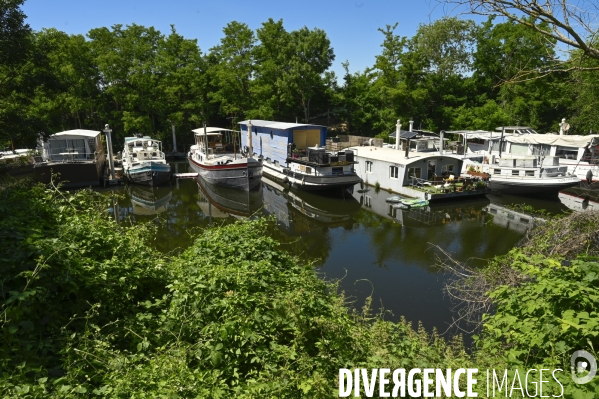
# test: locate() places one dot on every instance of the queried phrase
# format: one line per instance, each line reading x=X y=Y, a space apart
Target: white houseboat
x=530 y=175
x=580 y=154
x=294 y=154
x=144 y=162
x=76 y=157
x=208 y=158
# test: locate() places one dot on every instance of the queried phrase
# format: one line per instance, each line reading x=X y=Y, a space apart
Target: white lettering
x=533 y=383
x=560 y=384
x=541 y=381
x=382 y=382
x=443 y=382
x=426 y=382
x=471 y=381
x=516 y=377
x=345 y=383
x=411 y=383
x=399 y=383
x=456 y=383
x=499 y=386
x=369 y=385
x=357 y=383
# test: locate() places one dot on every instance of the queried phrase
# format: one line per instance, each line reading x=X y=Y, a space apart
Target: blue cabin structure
x=271 y=139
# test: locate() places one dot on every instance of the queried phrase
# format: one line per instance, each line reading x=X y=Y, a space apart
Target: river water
x=371 y=247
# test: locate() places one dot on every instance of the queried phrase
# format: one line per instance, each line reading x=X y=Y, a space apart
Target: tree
x=15 y=43
x=272 y=55
x=311 y=56
x=572 y=24
x=232 y=68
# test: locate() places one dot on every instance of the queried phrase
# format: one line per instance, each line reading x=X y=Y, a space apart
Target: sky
x=352 y=26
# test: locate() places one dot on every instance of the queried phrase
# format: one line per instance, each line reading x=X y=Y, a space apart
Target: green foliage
x=550 y=315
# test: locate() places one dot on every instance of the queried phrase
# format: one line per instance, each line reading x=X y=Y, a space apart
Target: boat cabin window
x=447 y=169
x=515 y=172
x=414 y=172
x=134 y=155
x=153 y=154
x=566 y=152
x=393 y=172
x=495 y=146
x=369 y=166
x=529 y=173
x=76 y=147
x=496 y=171
x=519 y=149
x=541 y=149
x=338 y=171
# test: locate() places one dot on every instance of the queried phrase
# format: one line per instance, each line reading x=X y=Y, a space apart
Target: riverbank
x=91 y=310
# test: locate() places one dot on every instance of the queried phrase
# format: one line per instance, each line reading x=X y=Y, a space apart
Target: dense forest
x=452 y=74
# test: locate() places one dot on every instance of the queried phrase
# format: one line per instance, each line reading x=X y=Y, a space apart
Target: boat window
x=497 y=171
x=566 y=152
x=541 y=149
x=414 y=172
x=515 y=172
x=519 y=149
x=368 y=201
x=153 y=154
x=369 y=166
x=447 y=169
x=338 y=171
x=393 y=172
x=495 y=146
x=308 y=170
x=529 y=173
x=134 y=155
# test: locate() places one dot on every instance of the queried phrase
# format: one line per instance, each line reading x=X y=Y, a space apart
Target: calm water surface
x=359 y=239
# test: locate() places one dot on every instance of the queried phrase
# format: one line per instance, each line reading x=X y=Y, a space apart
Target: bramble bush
x=91 y=310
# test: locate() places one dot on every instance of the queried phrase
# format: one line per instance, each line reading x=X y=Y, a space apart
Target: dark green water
x=359 y=239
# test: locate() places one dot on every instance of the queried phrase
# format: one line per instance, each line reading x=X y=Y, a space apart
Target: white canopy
x=554 y=139
x=76 y=132
x=211 y=131
x=479 y=134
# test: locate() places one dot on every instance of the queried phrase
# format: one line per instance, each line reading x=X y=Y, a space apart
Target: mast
x=251 y=150
x=205 y=141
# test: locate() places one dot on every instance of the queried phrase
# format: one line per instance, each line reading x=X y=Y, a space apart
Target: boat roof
x=398 y=156
x=479 y=134
x=554 y=139
x=140 y=138
x=406 y=134
x=212 y=131
x=76 y=132
x=521 y=129
x=275 y=124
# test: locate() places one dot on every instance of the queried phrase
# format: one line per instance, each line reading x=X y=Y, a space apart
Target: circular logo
x=588 y=366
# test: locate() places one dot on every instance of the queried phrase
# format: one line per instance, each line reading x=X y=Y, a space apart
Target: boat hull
x=71 y=174
x=310 y=182
x=532 y=187
x=149 y=174
x=241 y=176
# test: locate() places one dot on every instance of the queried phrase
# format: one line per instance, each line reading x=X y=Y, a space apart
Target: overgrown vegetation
x=89 y=310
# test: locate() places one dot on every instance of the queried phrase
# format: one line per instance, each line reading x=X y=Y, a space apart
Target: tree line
x=452 y=74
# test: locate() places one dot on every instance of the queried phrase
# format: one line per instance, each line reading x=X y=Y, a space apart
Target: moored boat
x=222 y=169
x=293 y=154
x=144 y=162
x=530 y=176
x=75 y=157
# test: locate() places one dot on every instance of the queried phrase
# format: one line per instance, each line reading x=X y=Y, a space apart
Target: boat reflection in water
x=580 y=199
x=148 y=200
x=302 y=211
x=222 y=202
x=430 y=215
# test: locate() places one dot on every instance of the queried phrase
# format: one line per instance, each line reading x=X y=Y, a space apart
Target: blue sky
x=350 y=25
